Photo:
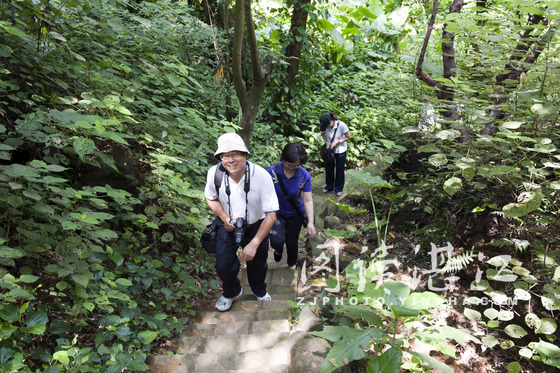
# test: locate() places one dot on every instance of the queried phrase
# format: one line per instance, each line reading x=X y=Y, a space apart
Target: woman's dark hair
x=294 y=152
x=326 y=119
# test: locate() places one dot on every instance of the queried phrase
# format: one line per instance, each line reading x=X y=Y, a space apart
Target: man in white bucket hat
x=246 y=203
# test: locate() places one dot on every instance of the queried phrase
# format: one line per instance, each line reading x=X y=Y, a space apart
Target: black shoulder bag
x=208 y=237
x=327 y=153
x=289 y=198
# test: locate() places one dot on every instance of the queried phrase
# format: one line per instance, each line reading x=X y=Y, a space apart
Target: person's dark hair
x=325 y=119
x=294 y=152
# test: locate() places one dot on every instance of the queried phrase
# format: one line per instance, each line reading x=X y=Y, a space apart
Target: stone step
x=243 y=342
x=233 y=360
x=246 y=342
x=277 y=276
x=235 y=328
x=276 y=292
x=279 y=369
x=252 y=337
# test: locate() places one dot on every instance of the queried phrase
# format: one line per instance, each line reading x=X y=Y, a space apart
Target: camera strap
x=246 y=187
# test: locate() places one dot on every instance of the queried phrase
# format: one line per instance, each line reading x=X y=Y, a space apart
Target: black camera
x=239 y=230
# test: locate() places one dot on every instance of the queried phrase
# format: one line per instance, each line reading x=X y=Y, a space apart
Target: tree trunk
x=249 y=101
x=292 y=56
x=293 y=50
x=445 y=92
x=524 y=55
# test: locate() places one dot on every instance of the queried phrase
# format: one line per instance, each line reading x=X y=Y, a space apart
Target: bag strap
x=219 y=176
x=288 y=197
x=247 y=188
x=334 y=134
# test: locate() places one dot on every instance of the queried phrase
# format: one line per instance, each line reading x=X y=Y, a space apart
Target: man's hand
x=228 y=226
x=248 y=252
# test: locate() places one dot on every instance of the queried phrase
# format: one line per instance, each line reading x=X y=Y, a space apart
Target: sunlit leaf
x=515 y=331
x=147 y=336
x=489 y=341
x=548 y=326
x=452 y=185
x=527 y=202
x=437 y=160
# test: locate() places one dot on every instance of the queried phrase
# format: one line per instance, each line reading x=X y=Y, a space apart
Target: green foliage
x=386 y=317
x=498 y=314
x=98 y=247
x=108 y=117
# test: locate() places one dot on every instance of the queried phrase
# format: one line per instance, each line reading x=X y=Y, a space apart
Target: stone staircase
x=252 y=337
x=256 y=337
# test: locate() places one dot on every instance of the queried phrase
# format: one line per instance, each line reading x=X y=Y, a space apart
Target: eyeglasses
x=231 y=155
x=291 y=166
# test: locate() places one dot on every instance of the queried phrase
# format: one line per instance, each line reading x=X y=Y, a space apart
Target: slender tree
x=526 y=52
x=249 y=99
x=535 y=36
x=297 y=32
x=445 y=91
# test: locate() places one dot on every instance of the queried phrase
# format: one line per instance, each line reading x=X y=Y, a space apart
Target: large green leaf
x=549 y=353
x=347 y=208
x=548 y=326
x=6 y=330
x=11 y=253
x=428 y=148
x=437 y=160
x=351 y=347
x=147 y=336
x=137 y=366
x=389 y=362
x=550 y=302
x=527 y=203
x=452 y=185
x=367 y=179
x=515 y=331
x=83 y=146
x=9 y=312
x=489 y=171
x=431 y=362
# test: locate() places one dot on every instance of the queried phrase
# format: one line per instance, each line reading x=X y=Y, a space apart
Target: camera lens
x=239 y=230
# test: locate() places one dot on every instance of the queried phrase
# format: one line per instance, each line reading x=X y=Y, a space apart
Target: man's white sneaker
x=224 y=304
x=264 y=297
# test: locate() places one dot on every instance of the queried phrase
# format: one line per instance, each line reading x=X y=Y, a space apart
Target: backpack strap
x=218 y=177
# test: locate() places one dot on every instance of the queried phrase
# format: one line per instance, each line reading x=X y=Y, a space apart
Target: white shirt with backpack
x=262 y=196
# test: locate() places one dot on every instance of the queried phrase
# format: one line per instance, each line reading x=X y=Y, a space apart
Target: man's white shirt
x=262 y=196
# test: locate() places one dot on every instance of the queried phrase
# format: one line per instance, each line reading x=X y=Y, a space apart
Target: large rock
x=309 y=354
x=309 y=321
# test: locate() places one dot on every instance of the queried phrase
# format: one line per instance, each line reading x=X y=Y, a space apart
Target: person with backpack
x=246 y=204
x=292 y=184
x=335 y=134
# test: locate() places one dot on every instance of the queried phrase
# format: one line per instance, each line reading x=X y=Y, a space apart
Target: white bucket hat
x=230 y=142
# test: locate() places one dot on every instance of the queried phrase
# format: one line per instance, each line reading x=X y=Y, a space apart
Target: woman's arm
x=345 y=138
x=308 y=207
